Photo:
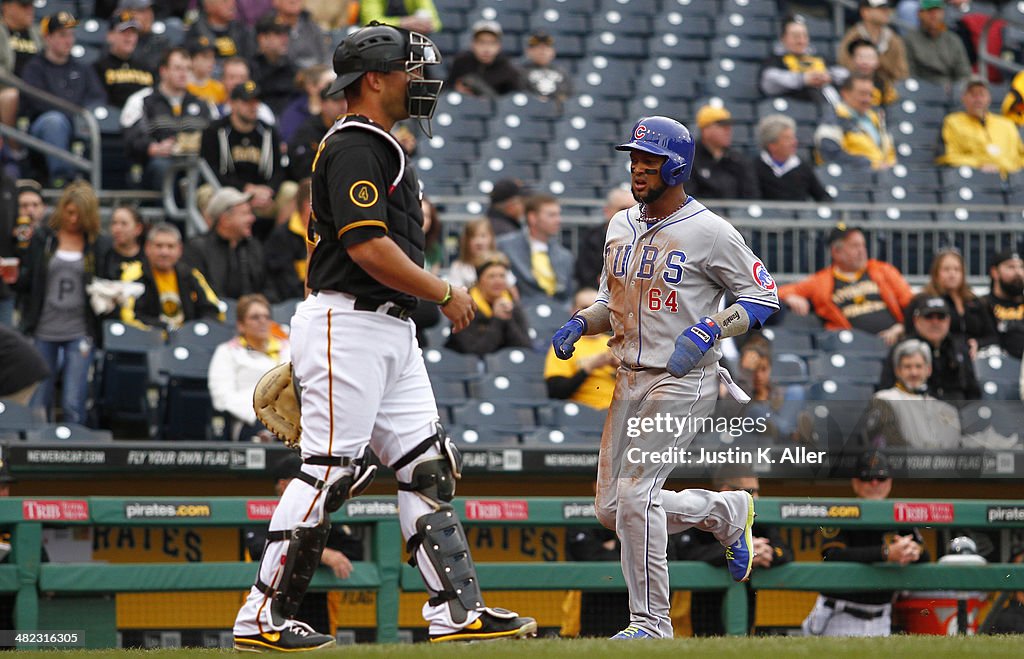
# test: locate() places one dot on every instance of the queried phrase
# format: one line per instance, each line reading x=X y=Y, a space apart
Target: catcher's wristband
x=447 y=295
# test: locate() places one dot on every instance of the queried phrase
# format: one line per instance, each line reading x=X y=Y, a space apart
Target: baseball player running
x=359 y=371
x=667 y=263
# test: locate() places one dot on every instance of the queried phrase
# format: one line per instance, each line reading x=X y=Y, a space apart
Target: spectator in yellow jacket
x=978 y=138
x=1013 y=104
x=857 y=137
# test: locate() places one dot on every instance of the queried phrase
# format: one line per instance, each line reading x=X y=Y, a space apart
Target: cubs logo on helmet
x=664 y=136
x=763 y=278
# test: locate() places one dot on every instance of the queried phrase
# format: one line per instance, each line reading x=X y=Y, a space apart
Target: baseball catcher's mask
x=385 y=48
x=664 y=136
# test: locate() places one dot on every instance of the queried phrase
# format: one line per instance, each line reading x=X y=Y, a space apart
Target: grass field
x=932 y=647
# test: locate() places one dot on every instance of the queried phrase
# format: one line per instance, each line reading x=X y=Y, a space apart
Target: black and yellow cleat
x=493 y=624
x=296 y=637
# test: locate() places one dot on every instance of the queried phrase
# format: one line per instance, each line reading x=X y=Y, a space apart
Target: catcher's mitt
x=277 y=405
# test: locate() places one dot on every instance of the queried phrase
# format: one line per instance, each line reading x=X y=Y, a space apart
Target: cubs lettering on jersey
x=662 y=278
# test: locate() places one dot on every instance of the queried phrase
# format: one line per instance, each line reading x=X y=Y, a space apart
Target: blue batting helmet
x=667 y=137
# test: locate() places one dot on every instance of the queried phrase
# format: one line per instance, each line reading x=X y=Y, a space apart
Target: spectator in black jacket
x=718 y=171
x=22 y=369
x=507 y=206
x=590 y=259
x=165 y=120
x=953 y=378
x=62 y=261
x=151 y=46
x=770 y=550
x=120 y=72
x=483 y=70
x=864 y=613
x=499 y=321
x=228 y=255
x=969 y=320
x=286 y=260
x=781 y=174
x=55 y=71
x=244 y=152
x=272 y=69
x=306 y=140
x=1005 y=302
x=218 y=23
x=10 y=227
x=175 y=292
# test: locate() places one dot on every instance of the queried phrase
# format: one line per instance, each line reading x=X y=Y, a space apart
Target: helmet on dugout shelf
x=667 y=137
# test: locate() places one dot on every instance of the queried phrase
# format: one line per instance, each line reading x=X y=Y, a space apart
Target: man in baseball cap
x=228 y=254
x=484 y=70
x=119 y=70
x=22 y=35
x=875 y=16
x=56 y=72
x=1005 y=302
x=507 y=209
x=718 y=171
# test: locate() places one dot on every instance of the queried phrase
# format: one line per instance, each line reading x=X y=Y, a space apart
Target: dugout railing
x=78 y=595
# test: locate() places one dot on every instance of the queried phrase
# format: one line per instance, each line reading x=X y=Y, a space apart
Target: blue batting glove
x=692 y=345
x=567 y=335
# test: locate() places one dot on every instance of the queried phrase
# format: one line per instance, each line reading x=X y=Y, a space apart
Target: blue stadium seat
x=511 y=387
x=461 y=105
x=514 y=150
x=519 y=127
x=527 y=105
x=680 y=46
x=561 y=22
x=917 y=179
x=684 y=24
x=493 y=413
x=567 y=415
x=915 y=133
x=547 y=437
x=789 y=368
x=908 y=109
x=922 y=92
x=124 y=374
x=751 y=8
x=67 y=432
x=591 y=107
x=784 y=340
x=802 y=112
x=472 y=438
x=448 y=364
x=733 y=79
x=16 y=420
x=613 y=20
x=201 y=333
x=740 y=47
x=856 y=369
x=520 y=362
x=852 y=342
x=186 y=410
x=1003 y=369
x=618 y=45
x=632 y=7
x=905 y=194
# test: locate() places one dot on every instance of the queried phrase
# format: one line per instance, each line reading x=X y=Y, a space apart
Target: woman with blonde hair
x=63 y=258
x=237 y=365
x=476 y=243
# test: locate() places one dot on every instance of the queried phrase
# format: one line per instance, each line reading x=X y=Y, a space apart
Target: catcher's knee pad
x=434 y=478
x=364 y=469
x=305 y=546
x=443 y=540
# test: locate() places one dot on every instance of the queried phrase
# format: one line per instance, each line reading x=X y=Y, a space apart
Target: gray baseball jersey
x=659 y=280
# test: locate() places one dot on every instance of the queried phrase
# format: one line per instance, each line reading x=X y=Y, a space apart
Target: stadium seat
x=448 y=364
x=560 y=22
x=857 y=369
x=925 y=114
x=512 y=17
x=461 y=106
x=922 y=92
x=991 y=424
x=799 y=111
x=740 y=47
x=852 y=342
x=449 y=392
x=681 y=46
x=201 y=334
x=999 y=376
x=482 y=438
x=67 y=432
x=621 y=22
x=750 y=8
x=520 y=362
x=494 y=414
x=905 y=194
x=527 y=105
x=172 y=28
x=123 y=377
x=792 y=322
x=789 y=368
x=511 y=388
x=733 y=79
x=785 y=340
x=15 y=420
x=613 y=44
x=843 y=402
x=547 y=437
x=569 y=415
x=186 y=411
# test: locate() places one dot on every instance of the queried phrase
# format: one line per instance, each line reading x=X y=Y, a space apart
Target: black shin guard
x=303 y=557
